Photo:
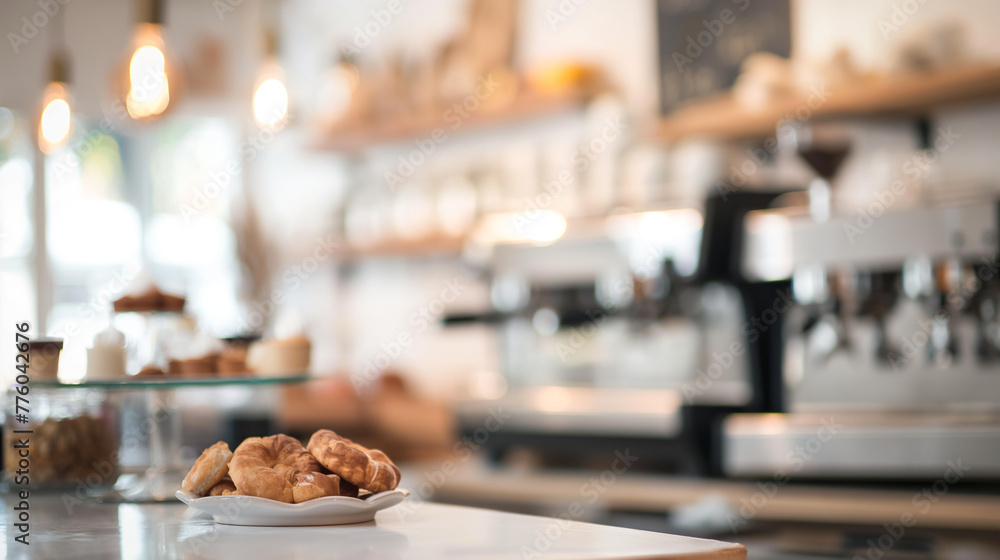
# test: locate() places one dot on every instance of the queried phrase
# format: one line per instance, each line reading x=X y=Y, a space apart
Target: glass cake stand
x=163 y=477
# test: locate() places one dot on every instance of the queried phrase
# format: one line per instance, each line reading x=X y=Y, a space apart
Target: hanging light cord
x=58 y=64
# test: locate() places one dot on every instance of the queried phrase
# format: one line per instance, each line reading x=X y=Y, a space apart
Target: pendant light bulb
x=270 y=96
x=53 y=129
x=56 y=119
x=149 y=86
x=270 y=99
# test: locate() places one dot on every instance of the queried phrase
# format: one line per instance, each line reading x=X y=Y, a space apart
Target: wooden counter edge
x=735 y=551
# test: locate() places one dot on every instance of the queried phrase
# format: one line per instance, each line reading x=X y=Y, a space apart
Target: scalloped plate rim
x=372 y=502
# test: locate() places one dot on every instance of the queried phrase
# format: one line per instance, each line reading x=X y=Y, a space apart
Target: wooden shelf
x=912 y=94
x=357 y=138
x=433 y=246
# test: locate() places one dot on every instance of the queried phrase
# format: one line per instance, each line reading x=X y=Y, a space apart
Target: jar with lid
x=71 y=436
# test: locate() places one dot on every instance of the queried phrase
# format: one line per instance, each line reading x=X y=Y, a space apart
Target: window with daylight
x=126 y=209
x=18 y=299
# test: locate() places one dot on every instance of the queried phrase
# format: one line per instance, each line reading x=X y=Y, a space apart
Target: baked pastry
x=150 y=371
x=204 y=365
x=233 y=361
x=170 y=302
x=365 y=468
x=224 y=488
x=209 y=469
x=308 y=486
x=150 y=300
x=347 y=489
x=281 y=356
x=276 y=467
x=268 y=468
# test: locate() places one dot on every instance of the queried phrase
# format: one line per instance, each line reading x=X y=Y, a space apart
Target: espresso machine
x=891 y=348
x=626 y=333
x=583 y=325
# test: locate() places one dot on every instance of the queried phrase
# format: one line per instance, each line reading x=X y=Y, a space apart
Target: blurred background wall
x=302 y=189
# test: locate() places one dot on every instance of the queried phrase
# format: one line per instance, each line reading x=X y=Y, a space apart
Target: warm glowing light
x=270 y=99
x=149 y=87
x=549 y=227
x=53 y=128
x=270 y=104
x=539 y=227
x=663 y=224
x=553 y=399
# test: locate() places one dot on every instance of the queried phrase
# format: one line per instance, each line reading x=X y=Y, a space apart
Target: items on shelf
x=279 y=356
x=148 y=300
x=106 y=357
x=43 y=357
x=74 y=437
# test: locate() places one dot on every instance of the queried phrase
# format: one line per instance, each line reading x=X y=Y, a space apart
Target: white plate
x=332 y=510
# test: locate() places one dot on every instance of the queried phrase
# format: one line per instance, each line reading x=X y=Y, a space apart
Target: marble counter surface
x=412 y=530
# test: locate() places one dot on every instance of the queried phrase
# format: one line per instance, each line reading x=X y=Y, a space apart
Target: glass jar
x=72 y=443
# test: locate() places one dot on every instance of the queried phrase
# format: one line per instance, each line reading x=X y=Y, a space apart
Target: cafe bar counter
x=412 y=530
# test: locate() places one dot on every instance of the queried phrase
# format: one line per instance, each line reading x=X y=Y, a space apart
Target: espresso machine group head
x=893 y=340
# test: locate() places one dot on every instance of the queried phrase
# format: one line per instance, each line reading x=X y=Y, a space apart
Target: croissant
x=210 y=468
x=279 y=468
x=365 y=468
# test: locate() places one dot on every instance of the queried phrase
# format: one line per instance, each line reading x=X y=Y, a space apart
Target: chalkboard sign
x=703 y=42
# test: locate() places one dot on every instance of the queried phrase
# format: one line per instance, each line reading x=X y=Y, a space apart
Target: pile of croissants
x=279 y=468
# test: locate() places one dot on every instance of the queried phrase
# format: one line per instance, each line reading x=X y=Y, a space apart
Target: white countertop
x=408 y=531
